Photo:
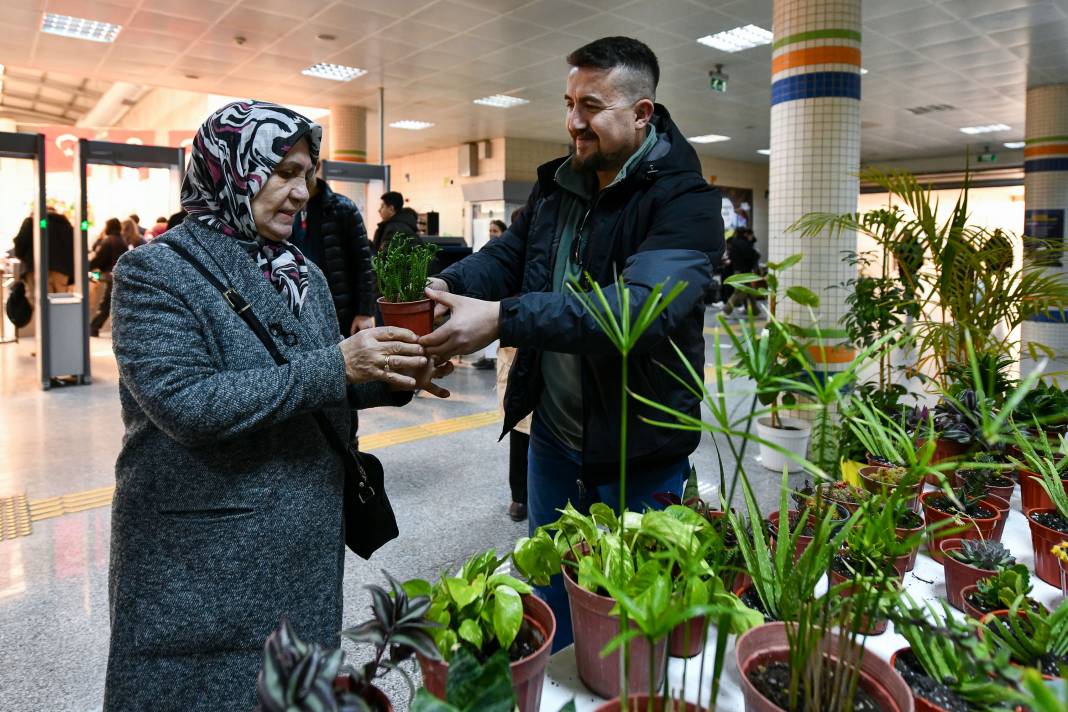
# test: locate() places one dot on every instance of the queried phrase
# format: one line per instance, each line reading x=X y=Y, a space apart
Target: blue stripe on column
x=1052 y=316
x=816 y=84
x=1045 y=164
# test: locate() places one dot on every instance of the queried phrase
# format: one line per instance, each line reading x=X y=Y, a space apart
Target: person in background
x=157 y=229
x=109 y=248
x=630 y=201
x=131 y=235
x=519 y=437
x=60 y=253
x=488 y=359
x=395 y=218
x=743 y=257
x=176 y=219
x=137 y=223
x=330 y=233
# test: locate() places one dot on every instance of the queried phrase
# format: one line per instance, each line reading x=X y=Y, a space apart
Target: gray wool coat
x=227 y=512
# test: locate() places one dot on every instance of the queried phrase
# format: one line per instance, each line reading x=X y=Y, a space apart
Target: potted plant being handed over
x=402 y=277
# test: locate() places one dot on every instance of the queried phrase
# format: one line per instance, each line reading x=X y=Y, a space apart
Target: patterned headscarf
x=234 y=153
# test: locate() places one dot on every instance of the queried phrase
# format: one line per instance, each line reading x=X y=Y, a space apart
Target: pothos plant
x=480 y=609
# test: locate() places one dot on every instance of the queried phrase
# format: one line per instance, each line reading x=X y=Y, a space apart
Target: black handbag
x=18 y=308
x=369 y=519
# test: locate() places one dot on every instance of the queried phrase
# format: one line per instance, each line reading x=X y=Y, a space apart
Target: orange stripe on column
x=815 y=55
x=1052 y=150
x=831 y=354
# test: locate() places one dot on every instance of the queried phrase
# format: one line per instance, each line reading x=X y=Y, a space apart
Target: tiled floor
x=449 y=490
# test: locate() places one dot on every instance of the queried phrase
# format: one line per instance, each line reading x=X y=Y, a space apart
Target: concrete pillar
x=815 y=154
x=1046 y=201
x=348 y=134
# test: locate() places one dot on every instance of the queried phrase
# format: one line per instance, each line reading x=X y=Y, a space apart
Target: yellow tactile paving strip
x=16 y=514
x=14 y=517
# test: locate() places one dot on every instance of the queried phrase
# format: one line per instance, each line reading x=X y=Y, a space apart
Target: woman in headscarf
x=228 y=502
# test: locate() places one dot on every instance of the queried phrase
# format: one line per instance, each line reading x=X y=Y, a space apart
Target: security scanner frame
x=355 y=172
x=89 y=152
x=32 y=147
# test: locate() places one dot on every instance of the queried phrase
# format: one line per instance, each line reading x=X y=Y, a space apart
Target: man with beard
x=629 y=201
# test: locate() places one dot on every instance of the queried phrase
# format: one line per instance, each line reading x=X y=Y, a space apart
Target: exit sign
x=987 y=158
x=718 y=84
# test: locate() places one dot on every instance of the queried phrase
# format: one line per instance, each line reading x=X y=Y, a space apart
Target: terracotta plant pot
x=881 y=623
x=767 y=643
x=904 y=533
x=958 y=574
x=944 y=450
x=417 y=317
x=1003 y=491
x=1004 y=613
x=594 y=627
x=1032 y=496
x=1047 y=566
x=881 y=488
x=640 y=703
x=688 y=638
x=528 y=674
x=975 y=527
x=374 y=697
x=922 y=705
x=967 y=607
x=1003 y=508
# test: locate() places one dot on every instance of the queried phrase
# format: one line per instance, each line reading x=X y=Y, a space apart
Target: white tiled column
x=1046 y=200
x=815 y=152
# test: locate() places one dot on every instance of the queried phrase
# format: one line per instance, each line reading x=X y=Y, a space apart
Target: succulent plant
x=956 y=419
x=984 y=554
x=299 y=677
x=1004 y=587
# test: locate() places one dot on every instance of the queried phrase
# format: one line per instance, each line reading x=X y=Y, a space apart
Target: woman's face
x=494 y=231
x=284 y=194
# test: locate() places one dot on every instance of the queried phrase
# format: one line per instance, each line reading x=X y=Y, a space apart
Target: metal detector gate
x=32 y=147
x=364 y=173
x=70 y=348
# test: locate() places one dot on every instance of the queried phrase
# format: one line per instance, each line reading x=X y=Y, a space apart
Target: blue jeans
x=553 y=472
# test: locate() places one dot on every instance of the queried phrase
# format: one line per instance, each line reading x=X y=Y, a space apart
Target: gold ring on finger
x=387 y=365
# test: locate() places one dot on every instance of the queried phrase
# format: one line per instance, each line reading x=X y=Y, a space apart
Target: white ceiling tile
x=874 y=10
x=498 y=6
x=452 y=16
x=264 y=23
x=137 y=40
x=604 y=25
x=300 y=9
x=167 y=24
x=203 y=10
x=509 y=29
x=348 y=20
x=548 y=13
x=91 y=10
x=904 y=21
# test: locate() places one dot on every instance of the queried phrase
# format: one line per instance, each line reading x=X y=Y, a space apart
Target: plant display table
x=924 y=582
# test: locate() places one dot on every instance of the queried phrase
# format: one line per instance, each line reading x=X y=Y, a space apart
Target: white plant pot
x=794 y=437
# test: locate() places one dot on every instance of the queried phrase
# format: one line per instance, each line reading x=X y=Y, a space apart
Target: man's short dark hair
x=625 y=53
x=394 y=200
x=136 y=218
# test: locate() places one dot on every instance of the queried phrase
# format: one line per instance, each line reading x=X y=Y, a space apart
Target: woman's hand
x=424 y=378
x=383 y=354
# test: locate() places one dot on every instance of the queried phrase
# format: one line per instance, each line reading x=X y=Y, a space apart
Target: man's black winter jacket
x=346 y=257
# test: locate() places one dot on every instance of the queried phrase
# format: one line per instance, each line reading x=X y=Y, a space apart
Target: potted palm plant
x=402 y=277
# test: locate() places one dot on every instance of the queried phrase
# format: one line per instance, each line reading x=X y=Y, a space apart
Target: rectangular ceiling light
x=409 y=125
x=79 y=28
x=764 y=151
x=989 y=128
x=1014 y=144
x=738 y=39
x=708 y=138
x=501 y=101
x=336 y=72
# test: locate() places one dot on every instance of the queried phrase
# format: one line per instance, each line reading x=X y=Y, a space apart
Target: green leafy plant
x=871 y=545
x=998 y=592
x=480 y=609
x=1042 y=459
x=472 y=686
x=402 y=270
x=1039 y=695
x=1032 y=638
x=299 y=677
x=985 y=554
x=884 y=399
x=1046 y=406
x=400 y=627
x=949 y=652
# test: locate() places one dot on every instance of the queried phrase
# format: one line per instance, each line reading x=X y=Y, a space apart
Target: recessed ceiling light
x=410 y=125
x=708 y=138
x=336 y=72
x=863 y=70
x=501 y=101
x=764 y=151
x=738 y=39
x=79 y=28
x=988 y=128
x=1015 y=144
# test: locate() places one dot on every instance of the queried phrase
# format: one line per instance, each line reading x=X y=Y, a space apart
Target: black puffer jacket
x=406 y=220
x=661 y=224
x=346 y=257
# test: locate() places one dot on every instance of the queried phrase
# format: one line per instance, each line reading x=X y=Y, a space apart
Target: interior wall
x=171 y=109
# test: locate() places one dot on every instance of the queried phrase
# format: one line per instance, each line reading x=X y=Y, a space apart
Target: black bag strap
x=244 y=310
